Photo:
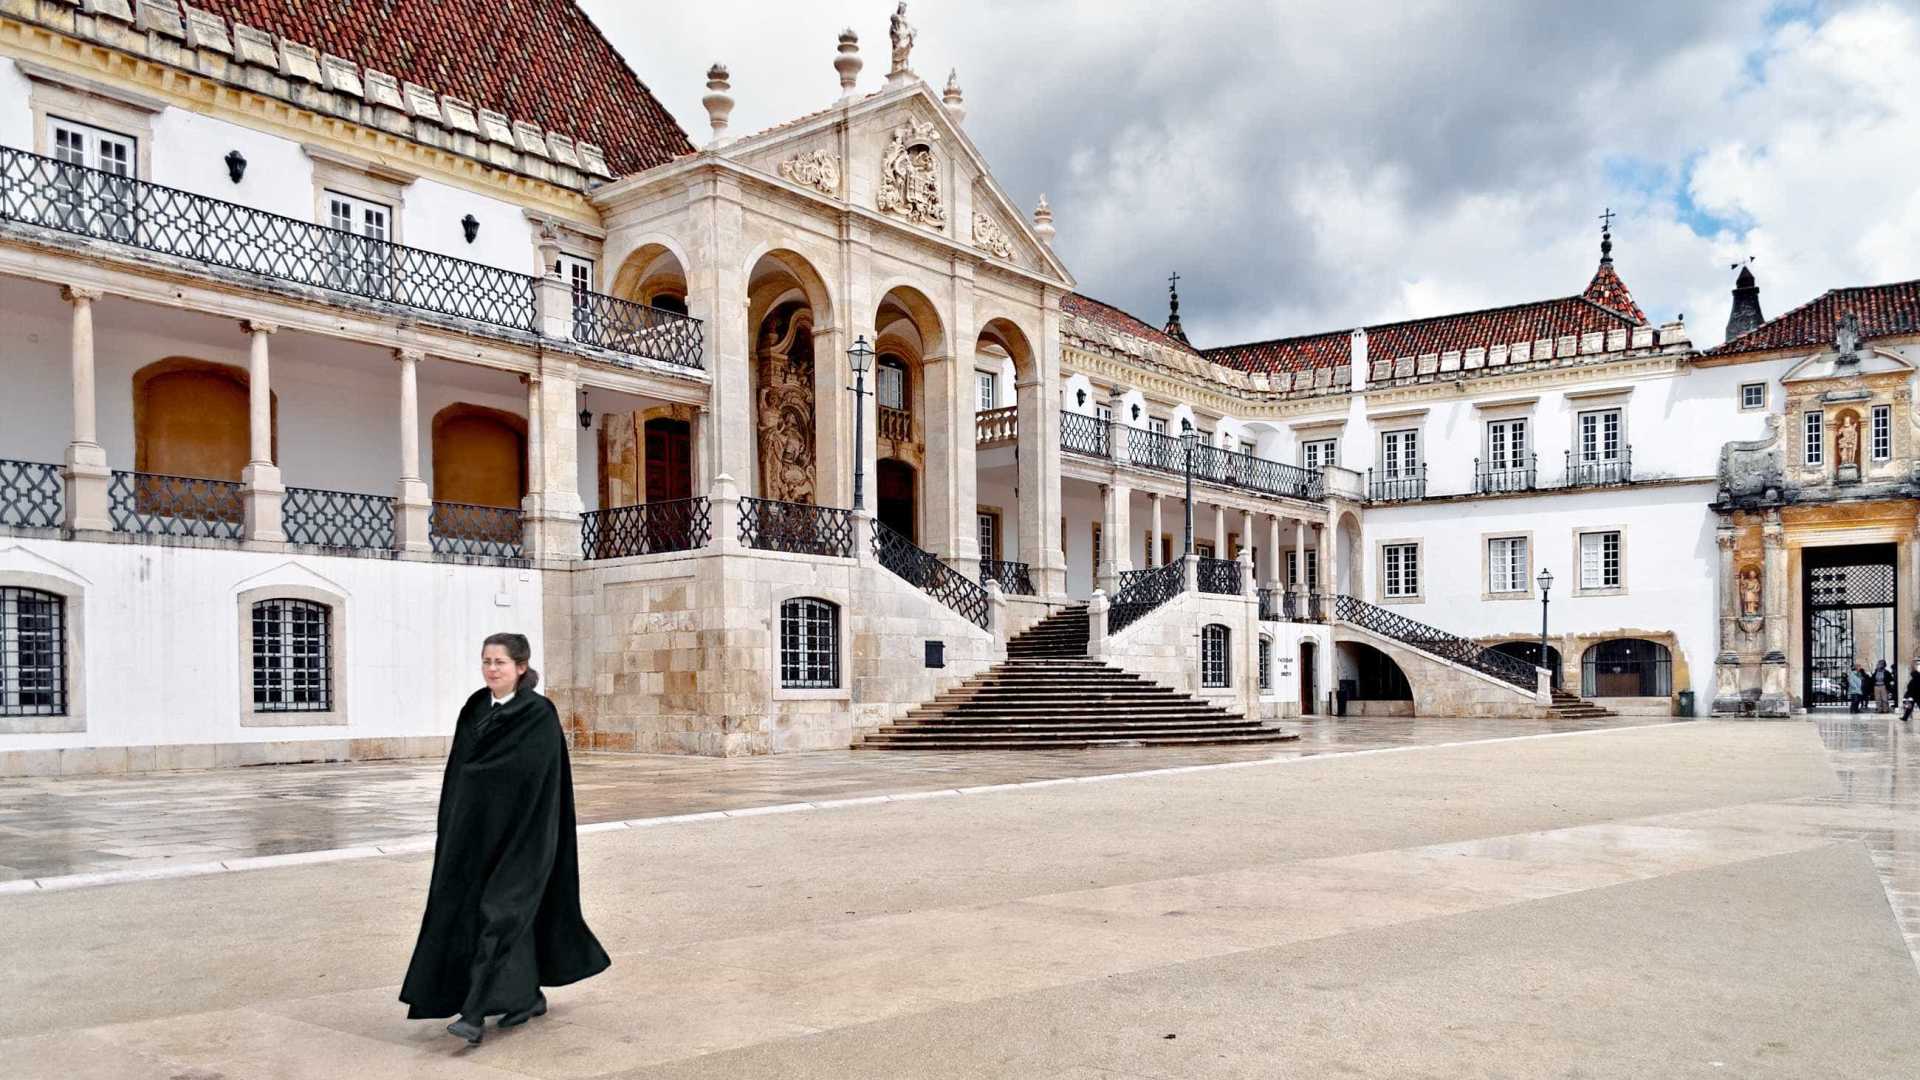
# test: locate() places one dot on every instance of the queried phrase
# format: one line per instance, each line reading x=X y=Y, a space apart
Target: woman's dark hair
x=519 y=650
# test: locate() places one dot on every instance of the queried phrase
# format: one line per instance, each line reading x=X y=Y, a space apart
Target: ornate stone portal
x=909 y=176
x=783 y=404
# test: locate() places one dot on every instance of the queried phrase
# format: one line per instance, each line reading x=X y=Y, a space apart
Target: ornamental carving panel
x=816 y=169
x=783 y=405
x=909 y=176
x=988 y=236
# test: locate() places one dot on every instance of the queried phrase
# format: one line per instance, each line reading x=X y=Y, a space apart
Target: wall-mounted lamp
x=471 y=226
x=1080 y=397
x=1136 y=410
x=1186 y=426
x=236 y=165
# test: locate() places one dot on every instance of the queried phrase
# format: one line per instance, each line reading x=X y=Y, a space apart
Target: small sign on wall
x=1283 y=667
x=936 y=654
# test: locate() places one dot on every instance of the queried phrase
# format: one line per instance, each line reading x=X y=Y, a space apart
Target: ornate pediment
x=816 y=169
x=910 y=176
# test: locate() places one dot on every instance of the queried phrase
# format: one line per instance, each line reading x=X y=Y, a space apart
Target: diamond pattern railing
x=493 y=532
x=1015 y=578
x=344 y=520
x=1083 y=434
x=799 y=528
x=32 y=495
x=156 y=505
x=1434 y=641
x=1218 y=576
x=646 y=528
x=927 y=573
x=1141 y=591
x=636 y=329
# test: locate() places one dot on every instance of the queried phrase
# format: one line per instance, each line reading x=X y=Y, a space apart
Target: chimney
x=1357 y=359
x=719 y=104
x=1745 y=315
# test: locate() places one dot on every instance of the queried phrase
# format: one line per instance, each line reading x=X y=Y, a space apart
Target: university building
x=335 y=343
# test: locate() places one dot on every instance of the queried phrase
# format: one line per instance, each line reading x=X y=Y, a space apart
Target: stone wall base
x=174 y=757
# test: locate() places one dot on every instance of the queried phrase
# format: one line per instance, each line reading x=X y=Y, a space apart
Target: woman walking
x=503 y=911
x=1913 y=693
x=1886 y=686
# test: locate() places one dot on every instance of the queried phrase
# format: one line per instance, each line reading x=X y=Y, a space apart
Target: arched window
x=292 y=656
x=33 y=653
x=1216 y=666
x=1626 y=667
x=1266 y=662
x=809 y=644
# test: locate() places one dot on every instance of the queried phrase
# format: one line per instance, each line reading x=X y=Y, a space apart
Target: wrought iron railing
x=1434 y=641
x=1516 y=474
x=41 y=191
x=799 y=528
x=337 y=519
x=1589 y=472
x=1397 y=485
x=1292 y=605
x=1156 y=450
x=1269 y=603
x=1316 y=607
x=156 y=505
x=1234 y=469
x=924 y=571
x=1141 y=591
x=894 y=424
x=996 y=425
x=1014 y=578
x=646 y=528
x=1083 y=434
x=636 y=329
x=1219 y=576
x=32 y=495
x=466 y=529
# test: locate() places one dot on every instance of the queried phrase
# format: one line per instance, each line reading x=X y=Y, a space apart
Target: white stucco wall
x=431 y=220
x=190 y=151
x=16 y=119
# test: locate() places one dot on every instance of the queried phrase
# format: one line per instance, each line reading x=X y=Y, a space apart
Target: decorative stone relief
x=909 y=176
x=784 y=407
x=990 y=237
x=1751 y=469
x=816 y=169
x=1750 y=591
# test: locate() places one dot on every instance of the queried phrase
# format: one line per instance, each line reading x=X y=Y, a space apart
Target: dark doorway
x=895 y=504
x=1848 y=595
x=669 y=460
x=1530 y=652
x=1308 y=704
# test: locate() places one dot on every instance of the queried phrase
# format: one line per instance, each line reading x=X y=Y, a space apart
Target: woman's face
x=499 y=670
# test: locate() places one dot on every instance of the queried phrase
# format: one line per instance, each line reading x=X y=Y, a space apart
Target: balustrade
x=32 y=495
x=996 y=425
x=646 y=528
x=1434 y=641
x=467 y=529
x=1014 y=578
x=797 y=528
x=895 y=424
x=926 y=572
x=1083 y=434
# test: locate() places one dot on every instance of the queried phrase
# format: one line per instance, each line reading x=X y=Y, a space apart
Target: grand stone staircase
x=1047 y=695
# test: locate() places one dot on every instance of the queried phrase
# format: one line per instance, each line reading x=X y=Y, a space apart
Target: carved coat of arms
x=816 y=169
x=909 y=176
x=990 y=237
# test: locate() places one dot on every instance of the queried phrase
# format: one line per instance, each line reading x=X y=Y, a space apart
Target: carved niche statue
x=1846 y=441
x=990 y=237
x=783 y=407
x=816 y=169
x=909 y=178
x=1750 y=591
x=901 y=32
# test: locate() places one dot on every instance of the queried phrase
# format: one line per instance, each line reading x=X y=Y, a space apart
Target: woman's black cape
x=503 y=913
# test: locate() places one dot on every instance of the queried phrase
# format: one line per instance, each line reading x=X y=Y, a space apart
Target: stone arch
x=1004 y=332
x=191 y=417
x=1626 y=667
x=1375 y=681
x=1349 y=558
x=773 y=270
x=1528 y=649
x=479 y=455
x=655 y=274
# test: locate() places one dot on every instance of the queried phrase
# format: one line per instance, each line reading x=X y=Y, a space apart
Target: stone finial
x=1043 y=221
x=848 y=63
x=956 y=106
x=902 y=34
x=719 y=103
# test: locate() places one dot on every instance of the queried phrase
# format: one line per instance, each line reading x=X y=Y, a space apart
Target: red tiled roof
x=542 y=61
x=1438 y=334
x=1114 y=319
x=1881 y=309
x=1607 y=290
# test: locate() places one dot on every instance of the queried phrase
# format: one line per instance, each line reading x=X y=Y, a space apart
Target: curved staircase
x=1047 y=695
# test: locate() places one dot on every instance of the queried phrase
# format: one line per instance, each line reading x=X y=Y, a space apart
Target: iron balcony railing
x=1164 y=453
x=343 y=520
x=798 y=528
x=1218 y=576
x=1014 y=578
x=1583 y=471
x=32 y=495
x=1234 y=469
x=466 y=529
x=1397 y=485
x=1512 y=474
x=926 y=572
x=1141 y=591
x=1435 y=642
x=1083 y=434
x=156 y=505
x=1269 y=604
x=646 y=528
x=996 y=425
x=1316 y=608
x=51 y=194
x=1155 y=450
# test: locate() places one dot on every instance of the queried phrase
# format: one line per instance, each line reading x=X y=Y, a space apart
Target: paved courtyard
x=1678 y=900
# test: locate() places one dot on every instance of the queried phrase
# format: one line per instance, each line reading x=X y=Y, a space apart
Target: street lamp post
x=1546 y=584
x=859 y=356
x=1187 y=442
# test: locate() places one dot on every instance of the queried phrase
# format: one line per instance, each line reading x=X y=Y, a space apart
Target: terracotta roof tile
x=1883 y=310
x=1114 y=319
x=1607 y=290
x=542 y=61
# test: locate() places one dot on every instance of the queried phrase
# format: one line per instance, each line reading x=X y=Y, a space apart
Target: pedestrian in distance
x=1912 y=694
x=1856 y=688
x=1884 y=687
x=503 y=910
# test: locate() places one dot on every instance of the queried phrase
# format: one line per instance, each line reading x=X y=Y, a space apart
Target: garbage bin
x=1683 y=703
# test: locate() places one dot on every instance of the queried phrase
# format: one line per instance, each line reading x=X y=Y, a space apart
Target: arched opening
x=653 y=275
x=1530 y=652
x=1309 y=695
x=895 y=501
x=1001 y=377
x=786 y=301
x=1346 y=537
x=907 y=331
x=1626 y=667
x=191 y=418
x=479 y=456
x=1371 y=682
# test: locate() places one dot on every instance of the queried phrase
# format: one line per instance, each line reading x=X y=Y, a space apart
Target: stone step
x=881 y=742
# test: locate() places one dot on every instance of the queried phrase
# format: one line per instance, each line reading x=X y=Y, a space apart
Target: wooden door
x=669 y=459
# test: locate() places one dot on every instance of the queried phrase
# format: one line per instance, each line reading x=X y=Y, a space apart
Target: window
x=292 y=656
x=989 y=526
x=1104 y=414
x=1753 y=395
x=809 y=644
x=987 y=390
x=1506 y=445
x=1246 y=448
x=1098 y=555
x=1883 y=433
x=1402 y=569
x=1626 y=667
x=1600 y=435
x=1313 y=569
x=1815 y=439
x=578 y=274
x=1266 y=662
x=1156 y=425
x=890 y=384
x=1319 y=453
x=1399 y=453
x=1600 y=560
x=33 y=653
x=1216 y=667
x=102 y=199
x=1203 y=548
x=357 y=251
x=1507 y=564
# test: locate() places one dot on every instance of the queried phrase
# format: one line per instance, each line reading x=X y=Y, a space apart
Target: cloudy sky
x=1310 y=166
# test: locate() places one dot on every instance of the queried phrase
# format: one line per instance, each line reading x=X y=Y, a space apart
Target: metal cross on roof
x=1173 y=281
x=1606 y=219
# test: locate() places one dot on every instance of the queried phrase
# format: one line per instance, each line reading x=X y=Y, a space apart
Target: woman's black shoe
x=470 y=1030
x=538 y=1008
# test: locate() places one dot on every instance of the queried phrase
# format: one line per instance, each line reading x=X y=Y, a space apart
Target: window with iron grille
x=1815 y=439
x=1402 y=569
x=1507 y=564
x=1600 y=435
x=1753 y=395
x=33 y=653
x=292 y=656
x=1883 y=433
x=1215 y=666
x=1600 y=560
x=809 y=644
x=1266 y=663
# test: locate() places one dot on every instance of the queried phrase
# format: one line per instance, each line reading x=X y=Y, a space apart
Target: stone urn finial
x=848 y=62
x=956 y=105
x=1043 y=221
x=719 y=103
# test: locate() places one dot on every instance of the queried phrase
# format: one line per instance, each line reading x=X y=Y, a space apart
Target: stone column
x=1330 y=561
x=1726 y=665
x=698 y=436
x=1775 y=697
x=717 y=292
x=1039 y=396
x=87 y=475
x=1246 y=537
x=1219 y=531
x=261 y=491
x=1300 y=563
x=947 y=487
x=412 y=508
x=833 y=416
x=1276 y=572
x=1153 y=543
x=552 y=506
x=1116 y=505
